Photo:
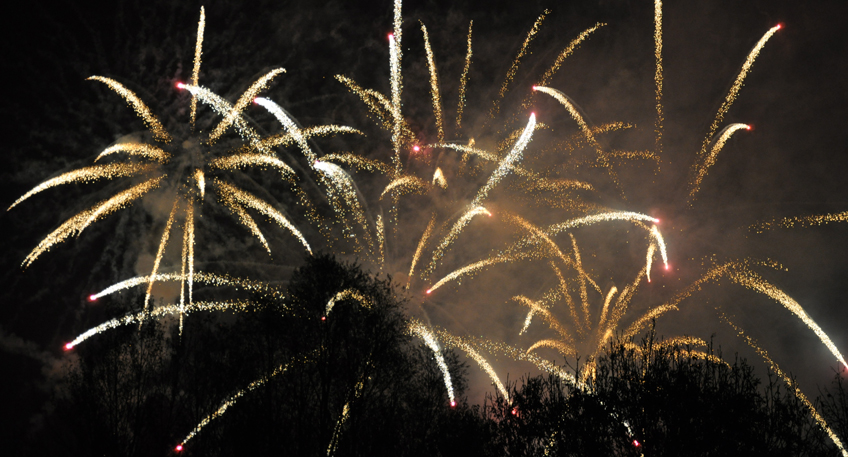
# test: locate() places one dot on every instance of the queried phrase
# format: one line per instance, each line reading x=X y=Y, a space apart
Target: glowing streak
x=573 y=46
x=138 y=149
x=395 y=57
x=253 y=160
x=508 y=162
x=754 y=282
x=658 y=74
x=596 y=218
x=223 y=108
x=200 y=179
x=164 y=242
x=655 y=233
x=418 y=329
x=360 y=163
x=571 y=108
x=434 y=85
x=737 y=85
x=463 y=80
x=454 y=233
x=421 y=244
x=613 y=290
x=77 y=223
x=652 y=249
x=578 y=265
x=347 y=294
x=289 y=124
x=285 y=139
x=485 y=365
x=381 y=239
x=790 y=382
x=560 y=346
x=205 y=278
x=406 y=185
x=119 y=201
x=86 y=175
x=195 y=72
x=188 y=260
x=803 y=221
x=700 y=170
x=232 y=399
x=536 y=308
x=510 y=74
x=236 y=195
x=248 y=96
x=469 y=269
x=341 y=187
x=168 y=310
x=152 y=123
x=439 y=179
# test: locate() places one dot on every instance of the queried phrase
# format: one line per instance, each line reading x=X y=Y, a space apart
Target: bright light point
x=534 y=87
x=428 y=291
x=92 y=298
x=255 y=102
x=323 y=318
x=779 y=26
x=180 y=86
x=656 y=221
x=514 y=411
x=391 y=36
x=69 y=346
x=179 y=447
x=667 y=267
x=416 y=148
x=636 y=443
x=453 y=403
x=532 y=114
x=748 y=127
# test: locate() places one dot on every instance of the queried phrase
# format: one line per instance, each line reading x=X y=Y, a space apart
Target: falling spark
x=246 y=98
x=439 y=179
x=463 y=81
x=152 y=123
x=658 y=74
x=434 y=85
x=420 y=330
x=147 y=151
x=454 y=232
x=510 y=74
x=508 y=162
x=347 y=294
x=700 y=170
x=737 y=85
x=421 y=244
x=195 y=72
x=164 y=242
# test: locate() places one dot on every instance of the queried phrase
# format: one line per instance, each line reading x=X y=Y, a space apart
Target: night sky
x=792 y=163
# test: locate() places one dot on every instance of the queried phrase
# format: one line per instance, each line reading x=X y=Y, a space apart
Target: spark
x=420 y=330
x=195 y=71
x=152 y=123
x=700 y=170
x=508 y=162
x=434 y=85
x=463 y=81
x=510 y=74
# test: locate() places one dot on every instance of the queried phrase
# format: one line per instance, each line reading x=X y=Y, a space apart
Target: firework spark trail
x=613 y=290
x=380 y=228
x=359 y=163
x=649 y=261
x=379 y=105
x=803 y=221
x=234 y=205
x=337 y=430
x=621 y=305
x=578 y=265
x=195 y=71
x=596 y=218
x=658 y=74
x=347 y=294
x=340 y=187
x=510 y=74
x=434 y=85
x=463 y=80
x=237 y=161
x=395 y=57
x=563 y=292
x=508 y=162
x=405 y=185
x=148 y=151
x=161 y=311
x=484 y=364
x=202 y=277
x=232 y=399
x=242 y=198
x=553 y=322
x=223 y=108
x=152 y=123
x=575 y=114
x=789 y=381
x=655 y=233
x=421 y=244
x=420 y=330
x=164 y=242
x=560 y=346
x=473 y=268
x=248 y=96
x=289 y=124
x=119 y=201
x=751 y=280
x=453 y=234
x=86 y=175
x=200 y=179
x=737 y=85
x=287 y=138
x=187 y=261
x=439 y=179
x=700 y=170
x=77 y=223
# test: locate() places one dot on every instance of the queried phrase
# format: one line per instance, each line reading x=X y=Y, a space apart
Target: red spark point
x=391 y=36
x=514 y=411
x=532 y=114
x=453 y=404
x=636 y=443
x=179 y=447
x=779 y=26
x=428 y=291
x=749 y=127
x=668 y=267
x=416 y=148
x=656 y=221
x=180 y=86
x=534 y=87
x=92 y=297
x=323 y=318
x=69 y=346
x=255 y=102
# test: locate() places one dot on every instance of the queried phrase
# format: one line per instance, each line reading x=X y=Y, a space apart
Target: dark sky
x=792 y=163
